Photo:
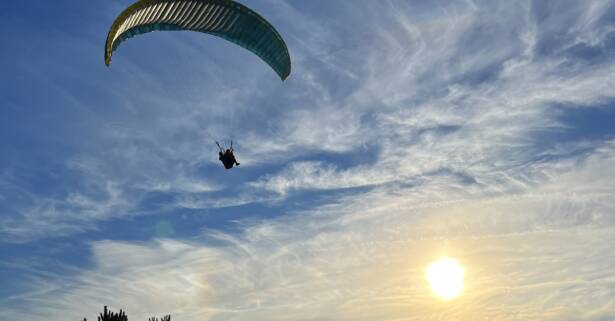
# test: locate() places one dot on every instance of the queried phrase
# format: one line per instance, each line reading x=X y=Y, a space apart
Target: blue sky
x=408 y=130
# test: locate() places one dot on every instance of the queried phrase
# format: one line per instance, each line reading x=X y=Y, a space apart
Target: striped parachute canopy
x=223 y=18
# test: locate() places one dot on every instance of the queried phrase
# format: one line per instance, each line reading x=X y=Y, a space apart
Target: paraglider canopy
x=227 y=19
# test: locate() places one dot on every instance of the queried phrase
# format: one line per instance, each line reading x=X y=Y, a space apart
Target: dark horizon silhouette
x=108 y=315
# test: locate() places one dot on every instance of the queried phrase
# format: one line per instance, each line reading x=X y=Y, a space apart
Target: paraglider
x=226 y=19
x=227 y=157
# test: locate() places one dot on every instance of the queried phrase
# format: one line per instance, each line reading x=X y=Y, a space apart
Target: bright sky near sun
x=446 y=278
x=481 y=129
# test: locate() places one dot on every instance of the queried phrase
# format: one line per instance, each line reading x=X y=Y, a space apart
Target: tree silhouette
x=111 y=316
x=107 y=315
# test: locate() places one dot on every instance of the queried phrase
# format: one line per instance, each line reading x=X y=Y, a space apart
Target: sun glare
x=446 y=278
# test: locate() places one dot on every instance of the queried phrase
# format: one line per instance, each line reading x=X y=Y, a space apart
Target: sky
x=408 y=130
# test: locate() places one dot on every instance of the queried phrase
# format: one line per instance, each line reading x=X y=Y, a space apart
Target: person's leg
x=234 y=160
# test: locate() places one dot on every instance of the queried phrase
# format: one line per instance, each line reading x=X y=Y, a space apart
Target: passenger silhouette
x=227 y=157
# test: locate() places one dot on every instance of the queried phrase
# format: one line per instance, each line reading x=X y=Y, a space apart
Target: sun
x=446 y=278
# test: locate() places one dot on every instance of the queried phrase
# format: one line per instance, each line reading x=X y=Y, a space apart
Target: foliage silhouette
x=111 y=316
x=107 y=315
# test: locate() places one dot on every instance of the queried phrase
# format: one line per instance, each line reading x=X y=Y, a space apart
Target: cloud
x=535 y=255
x=461 y=90
x=476 y=127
